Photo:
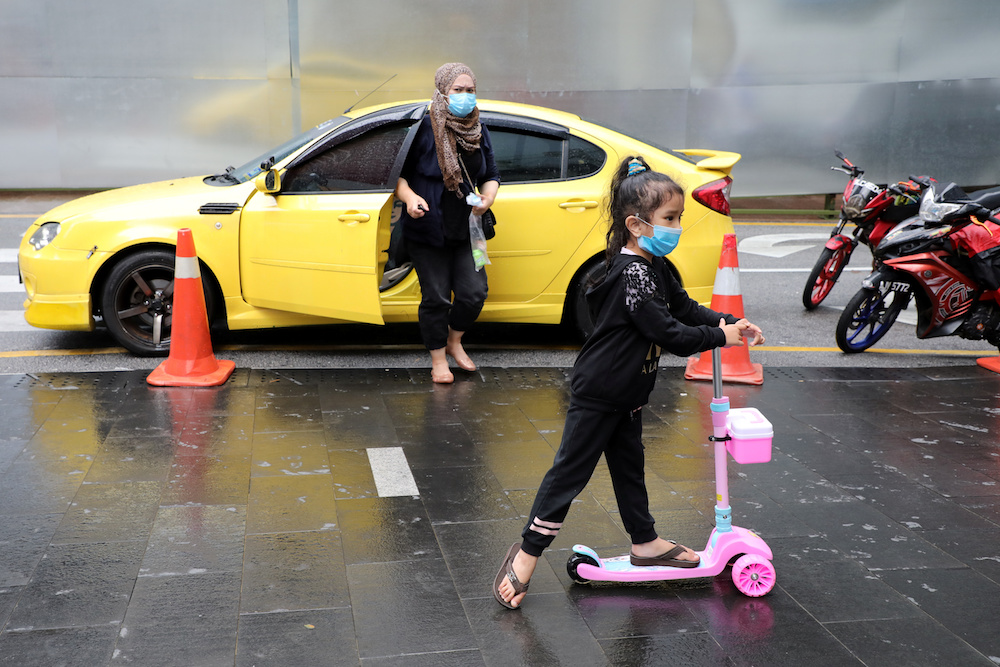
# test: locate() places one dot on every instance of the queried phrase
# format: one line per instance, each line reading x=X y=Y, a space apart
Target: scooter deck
x=720 y=550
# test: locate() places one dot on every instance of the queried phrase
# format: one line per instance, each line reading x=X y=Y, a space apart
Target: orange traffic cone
x=727 y=298
x=191 y=362
x=990 y=363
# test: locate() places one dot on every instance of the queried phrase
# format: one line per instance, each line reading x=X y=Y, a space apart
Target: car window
x=524 y=156
x=585 y=159
x=362 y=163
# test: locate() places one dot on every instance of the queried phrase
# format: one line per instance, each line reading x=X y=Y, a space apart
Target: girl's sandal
x=507 y=572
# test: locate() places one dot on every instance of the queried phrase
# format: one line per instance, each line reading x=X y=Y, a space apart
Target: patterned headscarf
x=450 y=130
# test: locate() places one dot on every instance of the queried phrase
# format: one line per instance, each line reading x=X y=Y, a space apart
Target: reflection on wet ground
x=273 y=521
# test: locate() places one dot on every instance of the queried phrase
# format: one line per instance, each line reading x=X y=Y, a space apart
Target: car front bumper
x=62 y=299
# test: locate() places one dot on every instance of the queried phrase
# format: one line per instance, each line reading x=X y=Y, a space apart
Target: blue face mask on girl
x=461 y=104
x=662 y=242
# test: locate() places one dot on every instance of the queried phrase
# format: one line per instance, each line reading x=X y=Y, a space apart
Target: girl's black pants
x=588 y=434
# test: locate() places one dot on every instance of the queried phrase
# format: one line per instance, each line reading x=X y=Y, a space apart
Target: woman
x=451 y=154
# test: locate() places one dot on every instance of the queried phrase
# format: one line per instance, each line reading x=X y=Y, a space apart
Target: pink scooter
x=745 y=434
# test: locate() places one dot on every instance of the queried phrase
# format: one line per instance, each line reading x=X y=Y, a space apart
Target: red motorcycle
x=873 y=210
x=948 y=259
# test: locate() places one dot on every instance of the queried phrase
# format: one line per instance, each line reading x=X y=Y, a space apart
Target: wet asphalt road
x=774 y=255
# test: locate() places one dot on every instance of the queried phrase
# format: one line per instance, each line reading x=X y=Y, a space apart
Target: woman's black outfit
x=438 y=242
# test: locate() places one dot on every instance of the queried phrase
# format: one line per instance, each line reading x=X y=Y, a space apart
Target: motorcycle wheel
x=824 y=275
x=867 y=317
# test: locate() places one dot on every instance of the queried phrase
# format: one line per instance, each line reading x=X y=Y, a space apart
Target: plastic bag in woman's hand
x=478 y=241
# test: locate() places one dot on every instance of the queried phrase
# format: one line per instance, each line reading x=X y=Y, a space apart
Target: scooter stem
x=720 y=414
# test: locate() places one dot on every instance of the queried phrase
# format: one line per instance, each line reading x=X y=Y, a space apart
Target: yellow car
x=303 y=234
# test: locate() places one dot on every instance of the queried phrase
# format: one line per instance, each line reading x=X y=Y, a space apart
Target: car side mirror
x=268 y=182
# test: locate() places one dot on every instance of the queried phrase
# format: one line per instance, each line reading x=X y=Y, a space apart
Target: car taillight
x=715 y=195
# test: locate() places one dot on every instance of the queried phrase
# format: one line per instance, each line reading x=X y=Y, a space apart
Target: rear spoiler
x=722 y=161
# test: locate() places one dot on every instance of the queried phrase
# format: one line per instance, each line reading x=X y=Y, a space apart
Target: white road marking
x=768 y=245
x=10 y=284
x=8 y=255
x=391 y=472
x=13 y=321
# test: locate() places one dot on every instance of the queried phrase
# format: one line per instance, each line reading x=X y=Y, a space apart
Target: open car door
x=315 y=246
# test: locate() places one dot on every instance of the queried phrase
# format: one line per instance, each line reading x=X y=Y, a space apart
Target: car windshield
x=251 y=169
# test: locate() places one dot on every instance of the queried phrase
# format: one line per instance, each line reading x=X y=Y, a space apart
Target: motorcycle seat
x=988 y=198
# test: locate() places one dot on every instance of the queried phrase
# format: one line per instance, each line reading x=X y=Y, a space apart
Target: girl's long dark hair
x=639 y=194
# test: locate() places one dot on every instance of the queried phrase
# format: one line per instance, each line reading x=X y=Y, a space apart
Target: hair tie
x=635 y=167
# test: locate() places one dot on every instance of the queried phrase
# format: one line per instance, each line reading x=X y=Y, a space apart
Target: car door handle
x=578 y=204
x=354 y=217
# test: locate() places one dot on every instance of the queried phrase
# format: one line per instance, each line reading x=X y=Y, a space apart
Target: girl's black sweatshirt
x=639 y=308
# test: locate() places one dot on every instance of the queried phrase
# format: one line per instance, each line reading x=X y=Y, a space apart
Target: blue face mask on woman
x=461 y=104
x=662 y=242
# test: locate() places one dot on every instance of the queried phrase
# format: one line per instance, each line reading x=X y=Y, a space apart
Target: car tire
x=137 y=302
x=578 y=317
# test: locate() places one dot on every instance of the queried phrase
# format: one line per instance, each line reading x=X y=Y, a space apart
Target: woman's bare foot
x=440 y=373
x=660 y=546
x=524 y=567
x=455 y=350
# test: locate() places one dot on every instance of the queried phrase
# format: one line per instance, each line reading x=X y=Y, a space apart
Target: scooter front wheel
x=574 y=562
x=825 y=274
x=754 y=575
x=867 y=317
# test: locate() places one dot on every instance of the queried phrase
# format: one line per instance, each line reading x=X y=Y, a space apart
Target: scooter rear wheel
x=824 y=275
x=575 y=561
x=754 y=575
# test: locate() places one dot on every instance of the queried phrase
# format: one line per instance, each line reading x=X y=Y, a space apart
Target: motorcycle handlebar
x=851 y=171
x=983 y=214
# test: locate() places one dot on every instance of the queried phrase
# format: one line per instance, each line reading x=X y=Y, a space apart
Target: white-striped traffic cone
x=191 y=362
x=727 y=298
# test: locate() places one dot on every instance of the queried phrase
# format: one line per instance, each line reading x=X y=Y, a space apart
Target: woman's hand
x=416 y=206
x=488 y=193
x=487 y=201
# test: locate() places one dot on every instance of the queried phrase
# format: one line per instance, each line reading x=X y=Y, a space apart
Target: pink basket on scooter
x=750 y=434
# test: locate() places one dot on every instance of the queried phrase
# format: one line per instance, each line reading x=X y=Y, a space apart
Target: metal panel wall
x=98 y=93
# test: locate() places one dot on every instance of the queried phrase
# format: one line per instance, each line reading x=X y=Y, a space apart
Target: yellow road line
x=61 y=353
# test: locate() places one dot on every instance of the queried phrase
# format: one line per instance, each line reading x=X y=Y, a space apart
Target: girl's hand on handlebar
x=752 y=332
x=734 y=335
x=743 y=329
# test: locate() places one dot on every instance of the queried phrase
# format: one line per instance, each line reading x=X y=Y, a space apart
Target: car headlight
x=44 y=235
x=935 y=211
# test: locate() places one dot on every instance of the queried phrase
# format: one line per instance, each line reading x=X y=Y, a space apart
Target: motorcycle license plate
x=894 y=286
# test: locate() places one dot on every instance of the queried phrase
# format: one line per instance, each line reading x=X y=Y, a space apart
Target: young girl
x=640 y=309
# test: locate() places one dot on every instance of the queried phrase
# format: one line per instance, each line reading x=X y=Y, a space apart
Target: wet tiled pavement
x=250 y=525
